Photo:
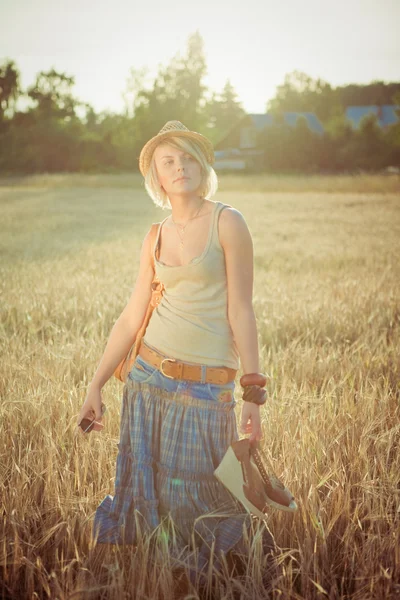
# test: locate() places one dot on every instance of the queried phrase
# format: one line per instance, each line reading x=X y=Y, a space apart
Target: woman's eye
x=187 y=157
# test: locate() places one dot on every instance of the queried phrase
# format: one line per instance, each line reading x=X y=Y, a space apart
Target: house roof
x=262 y=120
x=312 y=120
x=386 y=114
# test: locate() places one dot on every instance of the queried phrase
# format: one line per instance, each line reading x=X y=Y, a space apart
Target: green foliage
x=59 y=133
x=53 y=93
x=9 y=88
x=301 y=93
x=222 y=111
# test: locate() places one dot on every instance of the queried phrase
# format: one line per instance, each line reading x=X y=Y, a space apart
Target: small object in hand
x=253 y=379
x=87 y=424
x=255 y=394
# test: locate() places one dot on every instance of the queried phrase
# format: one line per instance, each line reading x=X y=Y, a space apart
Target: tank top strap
x=160 y=223
x=215 y=237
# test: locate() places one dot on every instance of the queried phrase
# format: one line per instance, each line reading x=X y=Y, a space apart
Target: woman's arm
x=237 y=244
x=129 y=322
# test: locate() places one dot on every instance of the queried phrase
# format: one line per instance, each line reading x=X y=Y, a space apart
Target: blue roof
x=313 y=123
x=262 y=120
x=386 y=114
x=230 y=152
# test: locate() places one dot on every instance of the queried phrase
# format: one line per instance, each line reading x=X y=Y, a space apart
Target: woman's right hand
x=91 y=408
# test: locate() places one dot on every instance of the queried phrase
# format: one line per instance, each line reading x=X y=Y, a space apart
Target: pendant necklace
x=183 y=227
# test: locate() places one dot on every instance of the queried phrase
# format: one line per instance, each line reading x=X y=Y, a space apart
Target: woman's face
x=173 y=164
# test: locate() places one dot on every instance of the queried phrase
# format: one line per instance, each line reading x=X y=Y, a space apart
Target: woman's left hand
x=250 y=421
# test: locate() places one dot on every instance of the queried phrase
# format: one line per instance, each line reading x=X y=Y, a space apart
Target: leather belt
x=176 y=369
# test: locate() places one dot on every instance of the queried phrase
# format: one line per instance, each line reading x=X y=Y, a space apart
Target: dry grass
x=327 y=300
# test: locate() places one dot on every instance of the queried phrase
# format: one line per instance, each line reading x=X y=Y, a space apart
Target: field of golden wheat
x=327 y=303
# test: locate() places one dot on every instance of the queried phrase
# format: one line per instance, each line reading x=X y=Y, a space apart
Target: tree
x=9 y=88
x=393 y=133
x=374 y=93
x=176 y=94
x=371 y=150
x=301 y=93
x=189 y=76
x=52 y=92
x=135 y=83
x=222 y=111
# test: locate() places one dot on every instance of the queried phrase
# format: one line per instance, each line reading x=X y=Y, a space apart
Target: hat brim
x=148 y=149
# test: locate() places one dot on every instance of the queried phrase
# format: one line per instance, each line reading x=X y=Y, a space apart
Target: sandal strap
x=251 y=487
x=271 y=487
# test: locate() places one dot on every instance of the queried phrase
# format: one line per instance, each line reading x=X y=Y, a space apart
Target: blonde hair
x=209 y=180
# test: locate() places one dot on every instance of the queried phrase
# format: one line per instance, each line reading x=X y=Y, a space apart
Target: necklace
x=183 y=227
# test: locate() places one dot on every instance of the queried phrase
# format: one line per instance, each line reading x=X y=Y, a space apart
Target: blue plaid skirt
x=173 y=435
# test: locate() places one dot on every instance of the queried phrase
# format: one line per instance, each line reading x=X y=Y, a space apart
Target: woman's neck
x=182 y=210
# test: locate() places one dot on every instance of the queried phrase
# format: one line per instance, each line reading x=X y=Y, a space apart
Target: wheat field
x=327 y=303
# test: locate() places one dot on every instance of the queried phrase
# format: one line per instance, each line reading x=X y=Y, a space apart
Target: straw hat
x=174 y=128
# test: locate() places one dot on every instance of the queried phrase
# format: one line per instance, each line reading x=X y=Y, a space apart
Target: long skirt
x=173 y=435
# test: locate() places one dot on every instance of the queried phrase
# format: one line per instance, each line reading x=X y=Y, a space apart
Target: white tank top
x=191 y=321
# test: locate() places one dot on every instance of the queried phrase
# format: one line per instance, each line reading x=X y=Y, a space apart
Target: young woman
x=178 y=415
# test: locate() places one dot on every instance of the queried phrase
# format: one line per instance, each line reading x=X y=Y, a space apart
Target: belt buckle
x=161 y=367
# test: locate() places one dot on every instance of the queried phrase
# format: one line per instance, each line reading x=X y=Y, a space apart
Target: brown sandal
x=243 y=473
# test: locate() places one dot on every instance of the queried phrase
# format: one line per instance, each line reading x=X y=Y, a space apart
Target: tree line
x=60 y=133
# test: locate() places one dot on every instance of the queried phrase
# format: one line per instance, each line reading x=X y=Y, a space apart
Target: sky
x=253 y=43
